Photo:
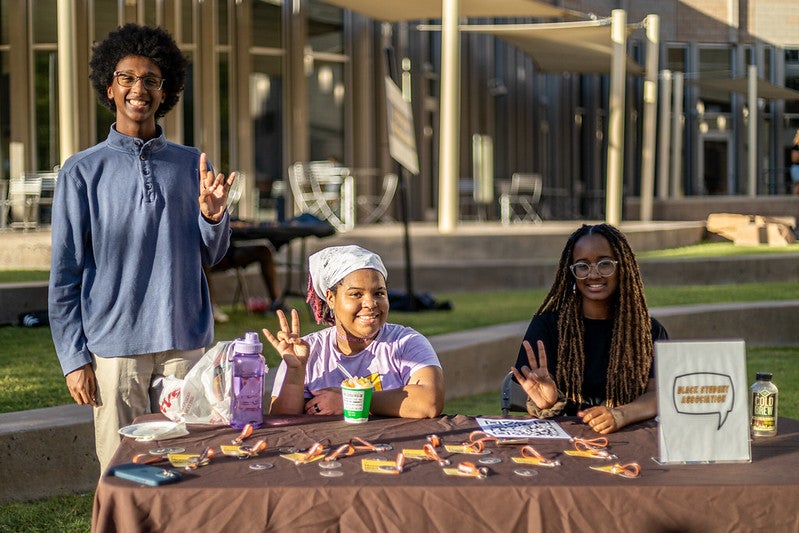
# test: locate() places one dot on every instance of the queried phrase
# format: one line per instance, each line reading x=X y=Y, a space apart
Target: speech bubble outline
x=697 y=379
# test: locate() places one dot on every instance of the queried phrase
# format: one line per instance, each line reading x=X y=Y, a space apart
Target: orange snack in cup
x=357 y=383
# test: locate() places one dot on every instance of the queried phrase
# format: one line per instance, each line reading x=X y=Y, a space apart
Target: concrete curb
x=48 y=452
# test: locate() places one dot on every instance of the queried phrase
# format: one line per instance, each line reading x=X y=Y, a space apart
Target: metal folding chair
x=512 y=396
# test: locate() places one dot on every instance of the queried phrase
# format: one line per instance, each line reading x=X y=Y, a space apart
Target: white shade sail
x=404 y=10
x=584 y=47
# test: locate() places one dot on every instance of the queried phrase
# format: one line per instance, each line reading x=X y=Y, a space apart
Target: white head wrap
x=330 y=265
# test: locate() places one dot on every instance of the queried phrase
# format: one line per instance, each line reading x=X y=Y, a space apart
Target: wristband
x=549 y=412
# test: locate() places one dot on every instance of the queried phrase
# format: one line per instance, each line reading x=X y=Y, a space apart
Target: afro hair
x=155 y=44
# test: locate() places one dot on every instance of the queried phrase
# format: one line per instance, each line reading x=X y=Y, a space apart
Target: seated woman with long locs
x=593 y=333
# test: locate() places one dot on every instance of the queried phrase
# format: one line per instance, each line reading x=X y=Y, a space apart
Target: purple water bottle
x=248 y=368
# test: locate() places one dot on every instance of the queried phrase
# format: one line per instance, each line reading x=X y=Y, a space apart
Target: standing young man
x=135 y=219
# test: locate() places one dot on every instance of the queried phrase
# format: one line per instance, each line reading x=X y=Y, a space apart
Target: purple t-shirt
x=389 y=361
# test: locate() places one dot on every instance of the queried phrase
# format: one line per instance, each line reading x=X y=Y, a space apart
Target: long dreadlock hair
x=631 y=350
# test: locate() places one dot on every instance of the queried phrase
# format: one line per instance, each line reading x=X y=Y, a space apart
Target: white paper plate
x=148 y=430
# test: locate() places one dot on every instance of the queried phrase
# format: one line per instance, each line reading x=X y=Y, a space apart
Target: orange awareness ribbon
x=145 y=458
x=344 y=450
x=246 y=431
x=400 y=462
x=255 y=449
x=598 y=443
x=317 y=448
x=204 y=458
x=629 y=470
x=432 y=455
x=477 y=441
x=531 y=453
x=365 y=445
x=471 y=469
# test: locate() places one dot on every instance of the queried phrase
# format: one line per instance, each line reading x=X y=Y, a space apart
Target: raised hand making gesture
x=294 y=351
x=537 y=383
x=213 y=191
x=289 y=343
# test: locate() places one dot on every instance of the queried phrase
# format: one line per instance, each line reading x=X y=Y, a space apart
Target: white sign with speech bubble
x=702 y=402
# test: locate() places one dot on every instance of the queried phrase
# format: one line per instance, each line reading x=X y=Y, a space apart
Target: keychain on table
x=246 y=431
x=204 y=458
x=470 y=469
x=478 y=440
x=316 y=449
x=431 y=454
x=629 y=470
x=590 y=448
x=598 y=443
x=366 y=445
x=531 y=456
x=344 y=450
x=251 y=451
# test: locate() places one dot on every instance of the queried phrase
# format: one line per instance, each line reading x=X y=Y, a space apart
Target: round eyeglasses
x=151 y=83
x=604 y=268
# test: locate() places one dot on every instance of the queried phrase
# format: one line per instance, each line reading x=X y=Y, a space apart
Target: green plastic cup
x=357 y=402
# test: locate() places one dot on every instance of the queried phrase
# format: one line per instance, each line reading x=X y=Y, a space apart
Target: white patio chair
x=23 y=198
x=374 y=207
x=325 y=190
x=520 y=203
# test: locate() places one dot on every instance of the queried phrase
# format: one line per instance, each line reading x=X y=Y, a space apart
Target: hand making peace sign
x=538 y=384
x=289 y=343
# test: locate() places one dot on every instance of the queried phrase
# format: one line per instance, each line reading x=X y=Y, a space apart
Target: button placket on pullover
x=145 y=170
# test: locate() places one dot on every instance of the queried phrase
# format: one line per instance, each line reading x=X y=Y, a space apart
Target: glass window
x=45 y=29
x=326 y=87
x=151 y=17
x=325 y=24
x=46 y=109
x=187 y=21
x=326 y=110
x=792 y=77
x=266 y=24
x=105 y=18
x=5 y=121
x=188 y=106
x=675 y=58
x=715 y=63
x=266 y=96
x=222 y=23
x=4 y=22
x=224 y=110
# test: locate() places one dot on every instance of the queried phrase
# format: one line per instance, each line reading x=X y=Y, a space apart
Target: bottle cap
x=763 y=376
x=249 y=344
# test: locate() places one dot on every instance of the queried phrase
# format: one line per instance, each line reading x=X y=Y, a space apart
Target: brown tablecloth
x=227 y=495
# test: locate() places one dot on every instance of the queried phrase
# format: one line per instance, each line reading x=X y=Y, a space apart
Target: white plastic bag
x=203 y=396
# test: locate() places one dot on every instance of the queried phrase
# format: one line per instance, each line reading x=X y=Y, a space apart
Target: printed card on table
x=703 y=400
x=533 y=428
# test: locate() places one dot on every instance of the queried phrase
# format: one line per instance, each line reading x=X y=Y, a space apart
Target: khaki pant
x=125 y=390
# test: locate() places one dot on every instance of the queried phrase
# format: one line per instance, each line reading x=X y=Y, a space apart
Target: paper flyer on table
x=533 y=428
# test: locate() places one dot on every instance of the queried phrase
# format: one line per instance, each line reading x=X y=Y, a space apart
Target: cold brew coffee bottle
x=764 y=406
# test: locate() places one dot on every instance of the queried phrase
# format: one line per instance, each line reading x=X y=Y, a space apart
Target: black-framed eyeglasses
x=151 y=83
x=605 y=268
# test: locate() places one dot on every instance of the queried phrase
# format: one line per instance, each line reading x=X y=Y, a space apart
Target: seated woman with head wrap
x=347 y=289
